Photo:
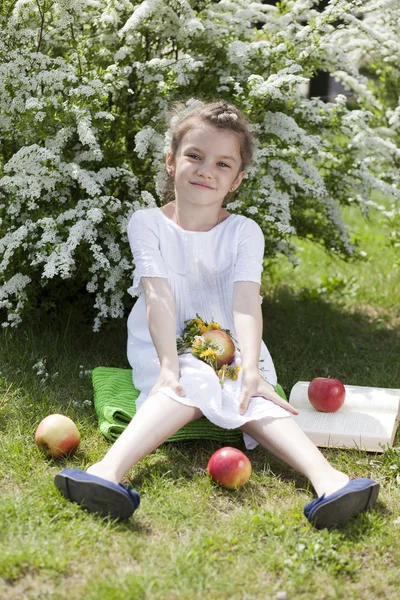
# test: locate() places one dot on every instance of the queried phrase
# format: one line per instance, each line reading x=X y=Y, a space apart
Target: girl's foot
x=96 y=494
x=102 y=471
x=330 y=482
x=336 y=509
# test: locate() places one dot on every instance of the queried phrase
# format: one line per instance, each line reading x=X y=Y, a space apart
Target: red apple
x=229 y=467
x=227 y=351
x=325 y=394
x=57 y=435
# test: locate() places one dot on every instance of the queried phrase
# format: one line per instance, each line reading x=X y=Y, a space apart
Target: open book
x=367 y=420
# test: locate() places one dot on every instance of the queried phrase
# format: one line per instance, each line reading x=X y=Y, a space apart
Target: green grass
x=189 y=538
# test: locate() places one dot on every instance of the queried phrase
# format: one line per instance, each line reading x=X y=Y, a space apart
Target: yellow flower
x=191 y=338
x=235 y=373
x=209 y=352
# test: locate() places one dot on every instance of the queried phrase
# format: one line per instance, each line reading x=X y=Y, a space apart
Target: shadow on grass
x=312 y=338
x=133 y=525
x=307 y=339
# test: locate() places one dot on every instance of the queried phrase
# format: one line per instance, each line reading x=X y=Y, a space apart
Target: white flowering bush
x=371 y=40
x=84 y=93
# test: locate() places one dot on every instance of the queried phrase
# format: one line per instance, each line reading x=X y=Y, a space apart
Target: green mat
x=115 y=405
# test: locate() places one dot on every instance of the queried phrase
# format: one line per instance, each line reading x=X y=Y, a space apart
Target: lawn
x=190 y=539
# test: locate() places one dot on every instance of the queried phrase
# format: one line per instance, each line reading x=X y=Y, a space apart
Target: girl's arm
x=248 y=321
x=161 y=319
x=247 y=317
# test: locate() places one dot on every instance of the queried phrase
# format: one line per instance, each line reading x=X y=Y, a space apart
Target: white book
x=368 y=419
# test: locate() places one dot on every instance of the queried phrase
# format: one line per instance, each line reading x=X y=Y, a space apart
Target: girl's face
x=206 y=165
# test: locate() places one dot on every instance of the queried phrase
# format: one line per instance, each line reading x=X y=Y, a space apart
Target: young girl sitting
x=195 y=259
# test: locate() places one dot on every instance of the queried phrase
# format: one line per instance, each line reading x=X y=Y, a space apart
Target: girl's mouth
x=202 y=185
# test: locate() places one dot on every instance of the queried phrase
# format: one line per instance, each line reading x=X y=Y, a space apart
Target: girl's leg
x=157 y=419
x=284 y=438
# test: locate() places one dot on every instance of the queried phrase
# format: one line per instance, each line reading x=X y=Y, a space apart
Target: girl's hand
x=168 y=377
x=254 y=385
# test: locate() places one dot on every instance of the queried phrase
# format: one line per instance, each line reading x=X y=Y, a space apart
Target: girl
x=192 y=257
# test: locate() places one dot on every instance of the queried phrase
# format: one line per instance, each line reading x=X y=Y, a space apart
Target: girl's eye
x=196 y=156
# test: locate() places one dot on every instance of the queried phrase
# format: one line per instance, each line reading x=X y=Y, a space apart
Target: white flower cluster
x=41 y=370
x=242 y=53
x=12 y=298
x=83 y=404
x=145 y=140
x=288 y=131
x=84 y=372
x=278 y=86
x=143 y=11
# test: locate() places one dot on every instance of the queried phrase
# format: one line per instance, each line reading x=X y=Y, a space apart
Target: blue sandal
x=337 y=508
x=97 y=495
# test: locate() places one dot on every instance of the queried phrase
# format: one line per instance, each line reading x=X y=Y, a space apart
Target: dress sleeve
x=249 y=261
x=145 y=247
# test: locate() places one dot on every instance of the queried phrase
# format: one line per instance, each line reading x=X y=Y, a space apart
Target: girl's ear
x=237 y=181
x=169 y=163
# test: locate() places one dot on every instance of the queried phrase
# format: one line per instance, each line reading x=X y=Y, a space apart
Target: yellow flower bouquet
x=210 y=343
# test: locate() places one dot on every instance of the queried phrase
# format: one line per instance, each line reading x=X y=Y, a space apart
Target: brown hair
x=220 y=114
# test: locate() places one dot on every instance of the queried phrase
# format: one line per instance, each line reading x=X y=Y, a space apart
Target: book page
x=347 y=423
x=352 y=442
x=358 y=398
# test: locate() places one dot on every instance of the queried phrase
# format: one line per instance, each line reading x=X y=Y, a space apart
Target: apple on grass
x=326 y=395
x=229 y=467
x=57 y=435
x=227 y=352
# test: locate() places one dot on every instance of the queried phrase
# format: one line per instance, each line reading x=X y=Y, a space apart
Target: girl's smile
x=201 y=185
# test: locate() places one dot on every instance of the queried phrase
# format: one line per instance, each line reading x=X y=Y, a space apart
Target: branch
x=75 y=44
x=41 y=12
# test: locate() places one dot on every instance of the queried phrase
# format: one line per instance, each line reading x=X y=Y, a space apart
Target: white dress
x=201 y=267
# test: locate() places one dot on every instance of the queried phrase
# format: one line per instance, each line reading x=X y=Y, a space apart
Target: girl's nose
x=204 y=169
